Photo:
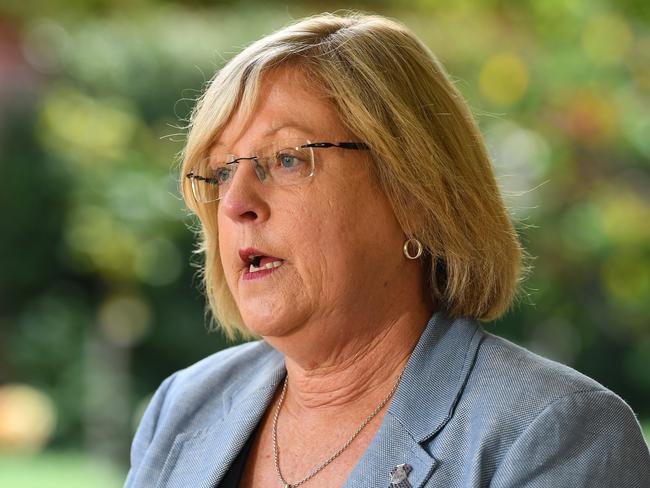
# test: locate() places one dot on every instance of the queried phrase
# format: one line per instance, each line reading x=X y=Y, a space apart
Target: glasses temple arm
x=361 y=146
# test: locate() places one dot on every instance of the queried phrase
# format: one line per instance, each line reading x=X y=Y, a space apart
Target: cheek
x=333 y=239
x=315 y=236
x=362 y=231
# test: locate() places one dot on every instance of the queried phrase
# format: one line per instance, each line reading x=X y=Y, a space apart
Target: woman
x=350 y=218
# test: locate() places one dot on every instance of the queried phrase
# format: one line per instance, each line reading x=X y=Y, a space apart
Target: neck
x=345 y=372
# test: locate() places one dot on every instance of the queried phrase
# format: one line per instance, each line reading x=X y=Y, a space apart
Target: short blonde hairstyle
x=427 y=153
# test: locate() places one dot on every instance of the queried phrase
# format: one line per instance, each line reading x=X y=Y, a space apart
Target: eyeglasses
x=282 y=163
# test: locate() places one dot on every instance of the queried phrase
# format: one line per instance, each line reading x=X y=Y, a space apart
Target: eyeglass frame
x=357 y=146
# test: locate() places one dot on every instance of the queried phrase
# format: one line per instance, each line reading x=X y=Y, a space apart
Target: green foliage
x=58 y=469
x=99 y=300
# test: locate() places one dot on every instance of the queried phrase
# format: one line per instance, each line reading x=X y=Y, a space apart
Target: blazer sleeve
x=585 y=439
x=146 y=430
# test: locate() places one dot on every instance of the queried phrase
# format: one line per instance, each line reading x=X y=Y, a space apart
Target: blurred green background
x=98 y=295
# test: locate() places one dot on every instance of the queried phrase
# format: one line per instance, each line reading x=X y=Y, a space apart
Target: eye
x=222 y=175
x=287 y=160
x=290 y=159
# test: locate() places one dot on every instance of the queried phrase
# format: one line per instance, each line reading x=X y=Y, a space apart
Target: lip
x=247 y=275
x=244 y=255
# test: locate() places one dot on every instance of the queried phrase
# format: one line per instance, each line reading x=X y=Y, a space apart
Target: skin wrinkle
x=314 y=382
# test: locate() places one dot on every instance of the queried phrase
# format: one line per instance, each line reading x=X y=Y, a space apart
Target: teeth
x=274 y=264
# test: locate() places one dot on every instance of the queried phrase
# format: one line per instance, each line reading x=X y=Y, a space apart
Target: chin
x=270 y=320
x=266 y=328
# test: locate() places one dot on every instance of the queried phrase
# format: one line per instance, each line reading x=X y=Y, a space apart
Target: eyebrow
x=274 y=130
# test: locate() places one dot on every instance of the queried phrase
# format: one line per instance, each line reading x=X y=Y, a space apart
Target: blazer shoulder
x=197 y=398
x=536 y=422
x=227 y=370
x=515 y=371
x=246 y=357
x=193 y=397
x=509 y=386
x=557 y=426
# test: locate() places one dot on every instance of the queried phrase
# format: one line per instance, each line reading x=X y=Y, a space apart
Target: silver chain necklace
x=315 y=470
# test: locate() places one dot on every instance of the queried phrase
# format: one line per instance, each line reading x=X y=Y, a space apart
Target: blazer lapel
x=392 y=446
x=200 y=459
x=436 y=374
x=432 y=383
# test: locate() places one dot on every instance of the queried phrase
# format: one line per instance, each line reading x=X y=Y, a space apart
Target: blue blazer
x=472 y=410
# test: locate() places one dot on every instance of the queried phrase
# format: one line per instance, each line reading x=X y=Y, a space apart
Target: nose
x=244 y=201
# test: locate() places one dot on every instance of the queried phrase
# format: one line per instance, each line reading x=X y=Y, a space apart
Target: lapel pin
x=399 y=476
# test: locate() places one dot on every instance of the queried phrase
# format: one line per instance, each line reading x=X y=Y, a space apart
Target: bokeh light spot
x=85 y=129
x=521 y=158
x=503 y=79
x=626 y=276
x=606 y=39
x=591 y=118
x=583 y=232
x=27 y=418
x=626 y=218
x=124 y=319
x=45 y=45
x=100 y=242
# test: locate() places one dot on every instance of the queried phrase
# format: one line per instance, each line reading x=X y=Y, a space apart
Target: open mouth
x=257 y=264
x=261 y=262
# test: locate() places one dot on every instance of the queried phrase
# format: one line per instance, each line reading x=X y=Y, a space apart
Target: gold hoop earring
x=418 y=247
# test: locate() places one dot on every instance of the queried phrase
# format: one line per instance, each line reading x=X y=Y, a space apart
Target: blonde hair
x=428 y=154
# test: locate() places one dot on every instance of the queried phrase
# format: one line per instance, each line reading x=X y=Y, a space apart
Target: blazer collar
x=429 y=390
x=436 y=374
x=432 y=383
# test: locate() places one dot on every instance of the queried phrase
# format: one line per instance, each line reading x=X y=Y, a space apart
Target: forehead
x=287 y=105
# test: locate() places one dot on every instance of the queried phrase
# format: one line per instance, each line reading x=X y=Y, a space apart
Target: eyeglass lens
x=280 y=164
